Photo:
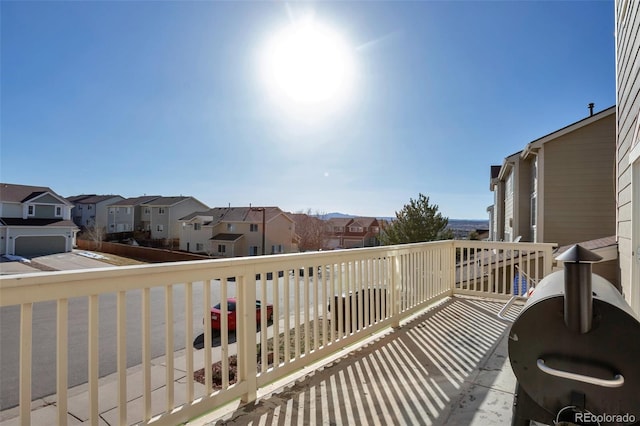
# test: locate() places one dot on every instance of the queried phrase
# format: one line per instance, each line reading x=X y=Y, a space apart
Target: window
x=161 y=210
x=58 y=211
x=253 y=227
x=160 y=228
x=89 y=207
x=111 y=210
x=277 y=249
x=146 y=210
x=199 y=247
x=128 y=210
x=355 y=229
x=31 y=210
x=229 y=227
x=197 y=226
x=222 y=248
x=253 y=250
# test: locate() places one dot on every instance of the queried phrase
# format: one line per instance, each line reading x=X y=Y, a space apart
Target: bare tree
x=94 y=233
x=311 y=230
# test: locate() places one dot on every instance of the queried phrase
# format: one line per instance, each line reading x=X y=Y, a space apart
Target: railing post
x=452 y=267
x=548 y=260
x=396 y=284
x=247 y=340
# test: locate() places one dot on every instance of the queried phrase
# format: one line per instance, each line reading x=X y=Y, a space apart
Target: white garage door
x=39 y=246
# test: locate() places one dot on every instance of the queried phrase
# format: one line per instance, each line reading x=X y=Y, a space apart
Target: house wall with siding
x=523 y=228
x=508 y=207
x=579 y=195
x=628 y=123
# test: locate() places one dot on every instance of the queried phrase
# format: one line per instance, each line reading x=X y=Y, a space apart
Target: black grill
x=575 y=350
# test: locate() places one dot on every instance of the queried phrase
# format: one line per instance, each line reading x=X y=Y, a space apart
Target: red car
x=216 y=312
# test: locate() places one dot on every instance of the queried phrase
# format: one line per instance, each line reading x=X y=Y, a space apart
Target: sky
x=234 y=103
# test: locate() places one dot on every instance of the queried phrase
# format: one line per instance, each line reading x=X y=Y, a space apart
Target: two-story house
x=627 y=152
x=335 y=228
x=161 y=215
x=352 y=232
x=34 y=221
x=90 y=210
x=558 y=189
x=238 y=231
x=127 y=215
x=361 y=232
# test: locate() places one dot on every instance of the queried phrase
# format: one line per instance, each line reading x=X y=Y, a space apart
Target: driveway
x=51 y=262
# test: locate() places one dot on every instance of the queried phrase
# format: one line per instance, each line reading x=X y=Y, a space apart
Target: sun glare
x=309 y=65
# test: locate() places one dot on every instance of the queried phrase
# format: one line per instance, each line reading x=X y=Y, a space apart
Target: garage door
x=39 y=246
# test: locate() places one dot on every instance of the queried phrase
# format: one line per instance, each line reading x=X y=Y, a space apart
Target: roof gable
x=23 y=193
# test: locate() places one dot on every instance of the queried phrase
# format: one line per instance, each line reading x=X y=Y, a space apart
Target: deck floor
x=447 y=366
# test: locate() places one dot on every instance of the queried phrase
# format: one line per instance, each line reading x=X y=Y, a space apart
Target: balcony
x=410 y=329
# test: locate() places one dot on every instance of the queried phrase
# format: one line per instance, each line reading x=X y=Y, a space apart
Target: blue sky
x=170 y=98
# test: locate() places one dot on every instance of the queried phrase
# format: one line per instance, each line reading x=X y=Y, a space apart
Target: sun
x=308 y=64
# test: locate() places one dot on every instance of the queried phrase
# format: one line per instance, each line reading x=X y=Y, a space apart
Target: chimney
x=591 y=105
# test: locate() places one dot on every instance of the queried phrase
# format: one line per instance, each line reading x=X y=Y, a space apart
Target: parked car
x=216 y=312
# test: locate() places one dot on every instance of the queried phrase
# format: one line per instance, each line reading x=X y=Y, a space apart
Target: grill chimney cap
x=579 y=254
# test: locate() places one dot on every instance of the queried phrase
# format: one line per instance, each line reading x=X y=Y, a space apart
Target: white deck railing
x=125 y=317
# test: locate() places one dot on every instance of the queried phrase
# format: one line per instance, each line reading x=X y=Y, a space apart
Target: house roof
x=17 y=221
x=238 y=214
x=76 y=198
x=365 y=221
x=339 y=221
x=135 y=201
x=227 y=237
x=93 y=199
x=21 y=193
x=166 y=201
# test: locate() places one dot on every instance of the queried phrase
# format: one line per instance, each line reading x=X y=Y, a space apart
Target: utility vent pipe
x=591 y=105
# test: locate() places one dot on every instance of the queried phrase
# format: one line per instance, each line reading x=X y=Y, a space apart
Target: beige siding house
x=559 y=189
x=628 y=147
x=238 y=231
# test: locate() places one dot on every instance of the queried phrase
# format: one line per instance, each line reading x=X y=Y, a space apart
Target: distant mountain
x=466 y=224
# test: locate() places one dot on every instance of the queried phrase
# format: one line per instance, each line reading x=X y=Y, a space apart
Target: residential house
x=558 y=189
x=361 y=232
x=335 y=229
x=127 y=215
x=627 y=158
x=90 y=210
x=34 y=220
x=161 y=215
x=238 y=231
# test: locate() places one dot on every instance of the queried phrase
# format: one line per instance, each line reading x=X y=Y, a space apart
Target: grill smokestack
x=578 y=296
x=591 y=105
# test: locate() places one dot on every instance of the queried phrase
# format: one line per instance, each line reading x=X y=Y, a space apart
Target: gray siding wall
x=579 y=194
x=628 y=103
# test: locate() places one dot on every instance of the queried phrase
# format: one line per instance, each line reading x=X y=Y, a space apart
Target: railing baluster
x=26 y=348
x=168 y=318
x=121 y=326
x=287 y=313
x=62 y=352
x=276 y=315
x=296 y=323
x=208 y=331
x=188 y=309
x=146 y=351
x=263 y=319
x=224 y=335
x=307 y=306
x=94 y=410
x=332 y=302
